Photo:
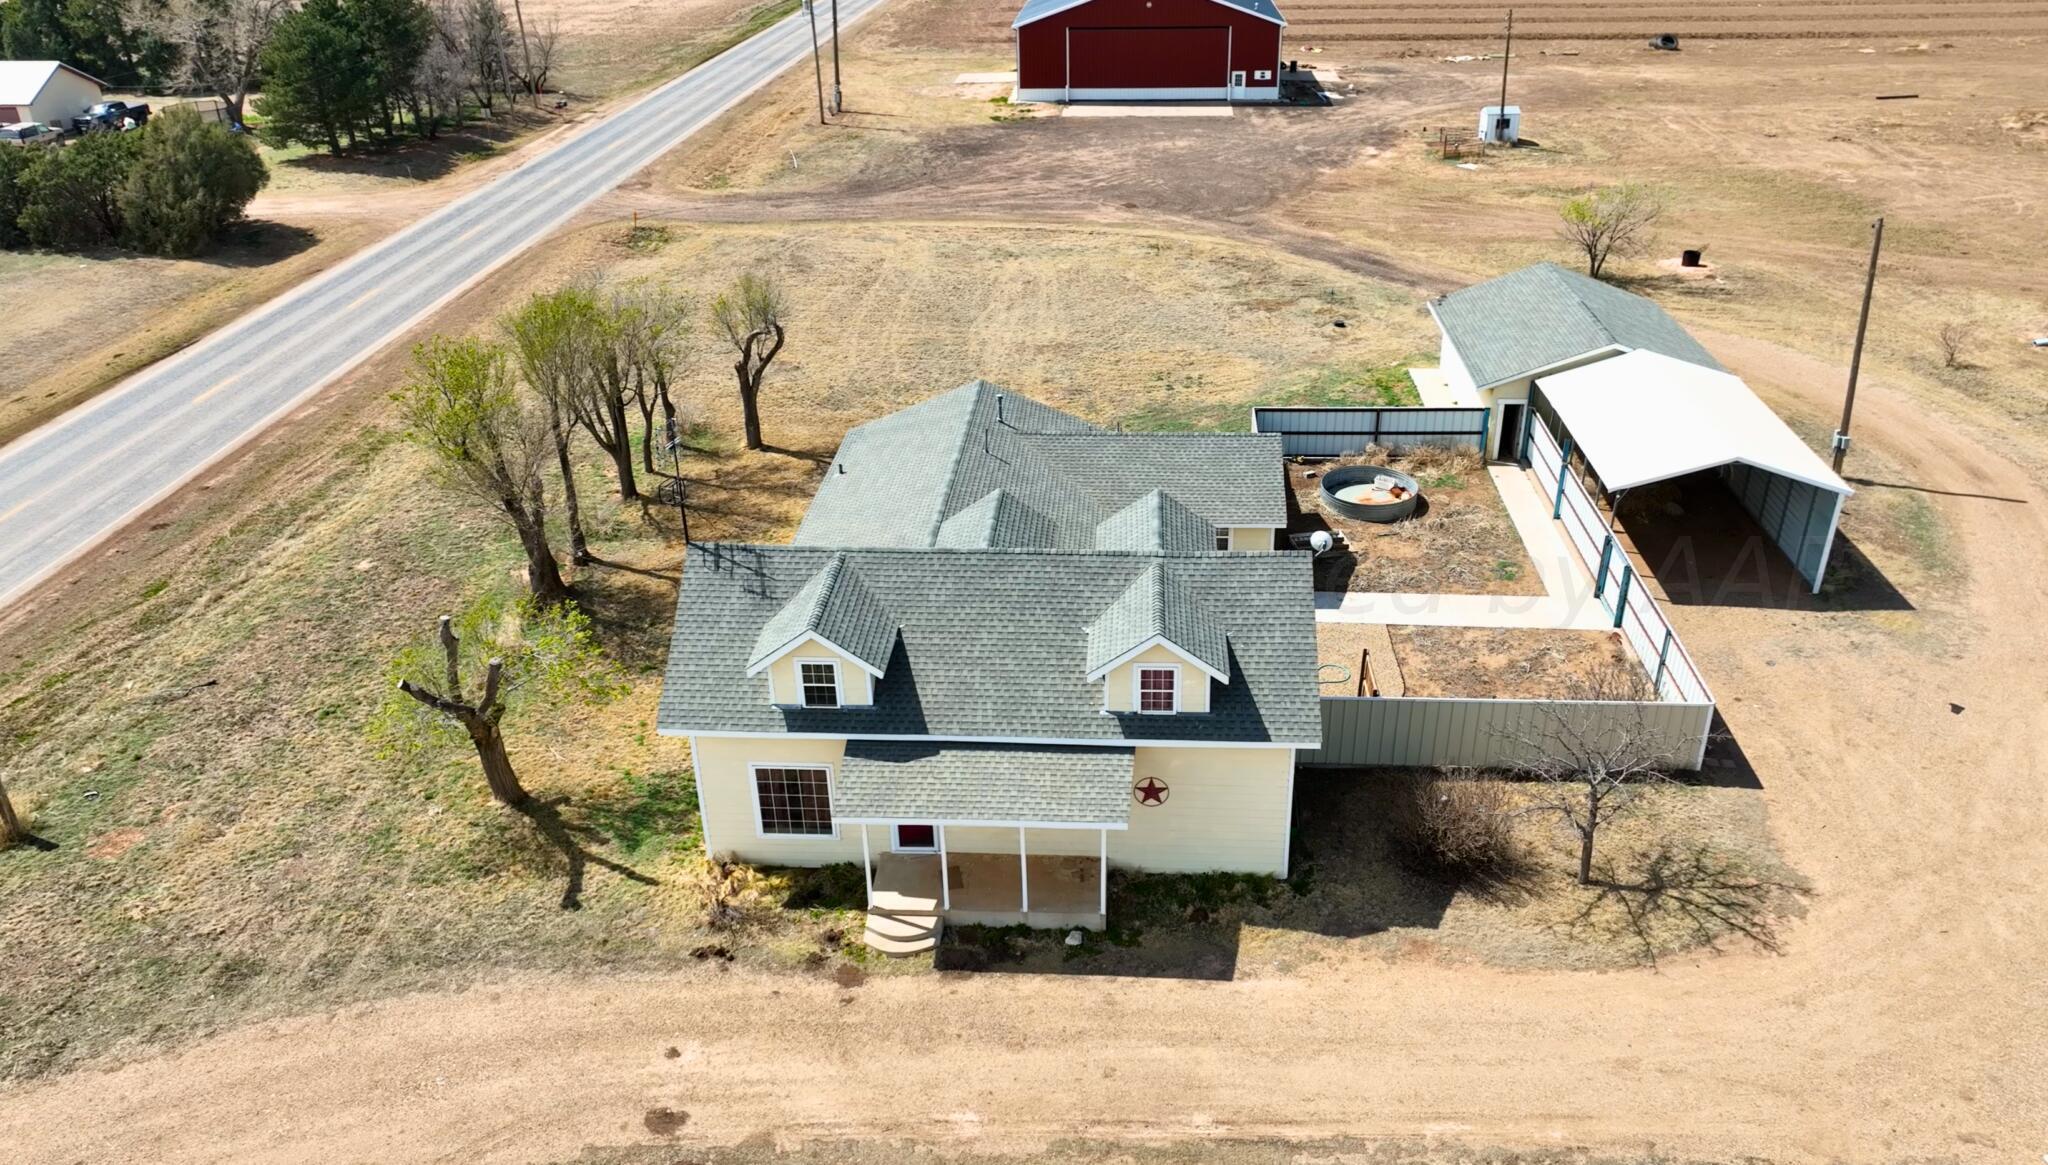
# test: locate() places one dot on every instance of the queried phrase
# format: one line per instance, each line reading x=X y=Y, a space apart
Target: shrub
x=72 y=197
x=1455 y=826
x=13 y=163
x=190 y=179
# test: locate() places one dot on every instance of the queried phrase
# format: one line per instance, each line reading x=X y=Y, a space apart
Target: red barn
x=1148 y=50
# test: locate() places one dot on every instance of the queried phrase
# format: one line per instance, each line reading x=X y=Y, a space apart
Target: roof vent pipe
x=842 y=468
x=999 y=408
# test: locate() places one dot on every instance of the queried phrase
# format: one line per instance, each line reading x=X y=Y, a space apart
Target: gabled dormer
x=1156 y=521
x=828 y=646
x=1155 y=650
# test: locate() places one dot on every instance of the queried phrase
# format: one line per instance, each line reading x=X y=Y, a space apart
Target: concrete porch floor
x=987 y=889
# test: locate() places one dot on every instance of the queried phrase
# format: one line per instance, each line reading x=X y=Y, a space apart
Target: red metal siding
x=1158 y=44
x=1107 y=58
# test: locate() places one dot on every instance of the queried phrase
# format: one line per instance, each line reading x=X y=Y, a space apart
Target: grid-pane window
x=794 y=801
x=821 y=684
x=1156 y=689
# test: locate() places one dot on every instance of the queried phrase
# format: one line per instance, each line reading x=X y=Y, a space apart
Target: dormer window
x=820 y=682
x=1159 y=689
x=1222 y=537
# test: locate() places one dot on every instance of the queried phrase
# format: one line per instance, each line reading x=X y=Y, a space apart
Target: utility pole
x=1500 y=112
x=526 y=53
x=817 y=69
x=838 y=98
x=1841 y=441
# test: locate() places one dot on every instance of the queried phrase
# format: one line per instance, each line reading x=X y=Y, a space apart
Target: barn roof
x=1036 y=10
x=21 y=82
x=1543 y=315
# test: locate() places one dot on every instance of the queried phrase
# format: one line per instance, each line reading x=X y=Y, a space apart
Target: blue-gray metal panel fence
x=1334 y=431
x=1437 y=732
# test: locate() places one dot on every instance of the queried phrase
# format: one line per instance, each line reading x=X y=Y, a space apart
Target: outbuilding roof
x=21 y=82
x=989 y=784
x=1542 y=316
x=1646 y=417
x=904 y=479
x=994 y=644
x=1036 y=10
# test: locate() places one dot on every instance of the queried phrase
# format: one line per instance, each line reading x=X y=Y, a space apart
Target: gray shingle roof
x=998 y=519
x=1157 y=606
x=834 y=606
x=1155 y=522
x=900 y=480
x=994 y=643
x=1543 y=315
x=1035 y=10
x=909 y=780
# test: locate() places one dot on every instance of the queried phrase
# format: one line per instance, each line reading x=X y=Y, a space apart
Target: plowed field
x=1585 y=20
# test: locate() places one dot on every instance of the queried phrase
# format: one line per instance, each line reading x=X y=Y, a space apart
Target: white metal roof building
x=1644 y=417
x=47 y=91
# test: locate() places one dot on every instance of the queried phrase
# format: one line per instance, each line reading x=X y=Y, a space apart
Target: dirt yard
x=258 y=928
x=1347 y=653
x=1459 y=541
x=1512 y=663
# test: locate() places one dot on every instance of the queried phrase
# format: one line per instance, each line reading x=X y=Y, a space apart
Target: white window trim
x=1223 y=538
x=1138 y=671
x=754 y=792
x=896 y=845
x=838 y=687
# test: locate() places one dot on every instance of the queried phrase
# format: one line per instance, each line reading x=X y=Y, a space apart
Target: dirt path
x=1907 y=1018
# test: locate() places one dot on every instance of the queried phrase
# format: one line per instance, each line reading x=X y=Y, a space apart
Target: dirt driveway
x=1907 y=1018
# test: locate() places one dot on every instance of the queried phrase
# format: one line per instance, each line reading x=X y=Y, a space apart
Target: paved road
x=71 y=483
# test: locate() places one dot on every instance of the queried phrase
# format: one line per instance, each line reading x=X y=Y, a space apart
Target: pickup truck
x=22 y=133
x=109 y=115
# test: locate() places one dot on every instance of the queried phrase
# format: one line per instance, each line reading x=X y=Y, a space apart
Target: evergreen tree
x=318 y=79
x=394 y=35
x=13 y=196
x=190 y=179
x=72 y=197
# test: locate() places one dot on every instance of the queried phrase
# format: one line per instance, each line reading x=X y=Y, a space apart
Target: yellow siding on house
x=1226 y=809
x=1251 y=538
x=725 y=793
x=963 y=839
x=855 y=684
x=1121 y=691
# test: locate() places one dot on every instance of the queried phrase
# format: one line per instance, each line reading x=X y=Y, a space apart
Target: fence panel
x=1313 y=431
x=1435 y=732
x=1640 y=620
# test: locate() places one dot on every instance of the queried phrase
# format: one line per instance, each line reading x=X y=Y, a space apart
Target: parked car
x=22 y=133
x=110 y=115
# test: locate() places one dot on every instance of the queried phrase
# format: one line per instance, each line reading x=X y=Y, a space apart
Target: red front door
x=917 y=837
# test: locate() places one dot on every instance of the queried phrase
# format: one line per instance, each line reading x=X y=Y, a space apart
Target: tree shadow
x=1696 y=895
x=814 y=456
x=425 y=159
x=565 y=837
x=34 y=841
x=631 y=618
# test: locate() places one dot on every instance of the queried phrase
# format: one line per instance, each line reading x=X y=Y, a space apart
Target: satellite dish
x=1320 y=542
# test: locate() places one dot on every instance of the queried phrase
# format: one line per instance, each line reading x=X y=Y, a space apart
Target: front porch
x=1041 y=890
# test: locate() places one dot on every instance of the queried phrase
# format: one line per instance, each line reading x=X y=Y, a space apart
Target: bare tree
x=1595 y=750
x=442 y=75
x=485 y=36
x=1614 y=220
x=483 y=719
x=1953 y=337
x=12 y=831
x=654 y=341
x=463 y=406
x=219 y=42
x=553 y=335
x=749 y=315
x=542 y=40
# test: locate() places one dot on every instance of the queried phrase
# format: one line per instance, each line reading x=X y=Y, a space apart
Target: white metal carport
x=1643 y=417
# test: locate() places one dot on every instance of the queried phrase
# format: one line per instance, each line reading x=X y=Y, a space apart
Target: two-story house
x=1007 y=651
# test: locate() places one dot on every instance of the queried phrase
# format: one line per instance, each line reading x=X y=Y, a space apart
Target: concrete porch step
x=898 y=935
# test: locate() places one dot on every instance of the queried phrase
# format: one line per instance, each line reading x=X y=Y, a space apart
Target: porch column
x=867 y=866
x=1023 y=876
x=945 y=876
x=1102 y=875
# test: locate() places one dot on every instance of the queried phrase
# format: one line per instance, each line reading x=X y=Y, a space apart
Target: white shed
x=46 y=91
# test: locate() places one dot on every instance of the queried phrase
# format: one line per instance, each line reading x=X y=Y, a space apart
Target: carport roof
x=1036 y=10
x=1644 y=417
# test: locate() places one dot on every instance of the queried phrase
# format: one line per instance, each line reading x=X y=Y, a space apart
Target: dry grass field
x=244 y=889
x=1405 y=22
